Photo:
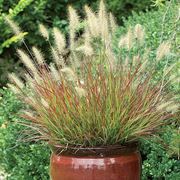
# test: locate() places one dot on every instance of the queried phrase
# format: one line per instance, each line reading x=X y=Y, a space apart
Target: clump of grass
x=91 y=97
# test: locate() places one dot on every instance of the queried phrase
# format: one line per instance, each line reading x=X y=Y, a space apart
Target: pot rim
x=101 y=151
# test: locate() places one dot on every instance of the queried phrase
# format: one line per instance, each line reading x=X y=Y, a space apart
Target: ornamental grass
x=90 y=96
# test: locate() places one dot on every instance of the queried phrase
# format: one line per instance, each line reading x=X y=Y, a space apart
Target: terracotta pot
x=112 y=163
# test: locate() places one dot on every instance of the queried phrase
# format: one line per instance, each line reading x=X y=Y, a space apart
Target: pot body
x=116 y=167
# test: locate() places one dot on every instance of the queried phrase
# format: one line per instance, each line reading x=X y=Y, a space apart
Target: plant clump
x=90 y=96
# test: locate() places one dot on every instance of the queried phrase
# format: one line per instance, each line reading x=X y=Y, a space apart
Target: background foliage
x=19 y=159
x=157 y=32
x=28 y=14
x=158 y=160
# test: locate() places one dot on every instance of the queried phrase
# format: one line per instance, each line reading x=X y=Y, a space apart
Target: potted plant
x=92 y=105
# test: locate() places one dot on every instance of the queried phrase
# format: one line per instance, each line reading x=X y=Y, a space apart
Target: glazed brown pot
x=112 y=163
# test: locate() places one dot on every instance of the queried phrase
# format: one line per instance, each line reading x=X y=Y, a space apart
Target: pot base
x=119 y=167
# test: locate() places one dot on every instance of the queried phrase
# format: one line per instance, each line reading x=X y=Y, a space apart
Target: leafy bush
x=19 y=160
x=158 y=160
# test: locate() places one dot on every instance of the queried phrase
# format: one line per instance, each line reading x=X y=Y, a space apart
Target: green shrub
x=158 y=161
x=19 y=159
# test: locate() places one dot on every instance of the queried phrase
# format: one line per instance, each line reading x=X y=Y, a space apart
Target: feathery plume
x=28 y=113
x=164 y=105
x=14 y=79
x=80 y=91
x=163 y=50
x=126 y=40
x=55 y=56
x=110 y=57
x=92 y=22
x=112 y=21
x=73 y=24
x=54 y=72
x=16 y=29
x=73 y=18
x=139 y=33
x=44 y=103
x=59 y=39
x=103 y=21
x=29 y=81
x=122 y=42
x=30 y=100
x=69 y=74
x=38 y=55
x=58 y=59
x=27 y=61
x=44 y=32
x=28 y=77
x=129 y=39
x=87 y=37
x=13 y=88
x=86 y=49
x=173 y=108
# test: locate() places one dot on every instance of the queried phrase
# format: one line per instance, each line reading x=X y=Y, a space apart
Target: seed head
x=73 y=24
x=112 y=21
x=27 y=61
x=164 y=105
x=14 y=79
x=92 y=22
x=80 y=91
x=163 y=50
x=103 y=21
x=44 y=32
x=13 y=88
x=59 y=39
x=44 y=103
x=139 y=33
x=54 y=72
x=69 y=74
x=38 y=55
x=129 y=39
x=16 y=29
x=86 y=49
x=73 y=18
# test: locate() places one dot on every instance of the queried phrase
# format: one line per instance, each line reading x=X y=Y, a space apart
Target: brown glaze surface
x=115 y=167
